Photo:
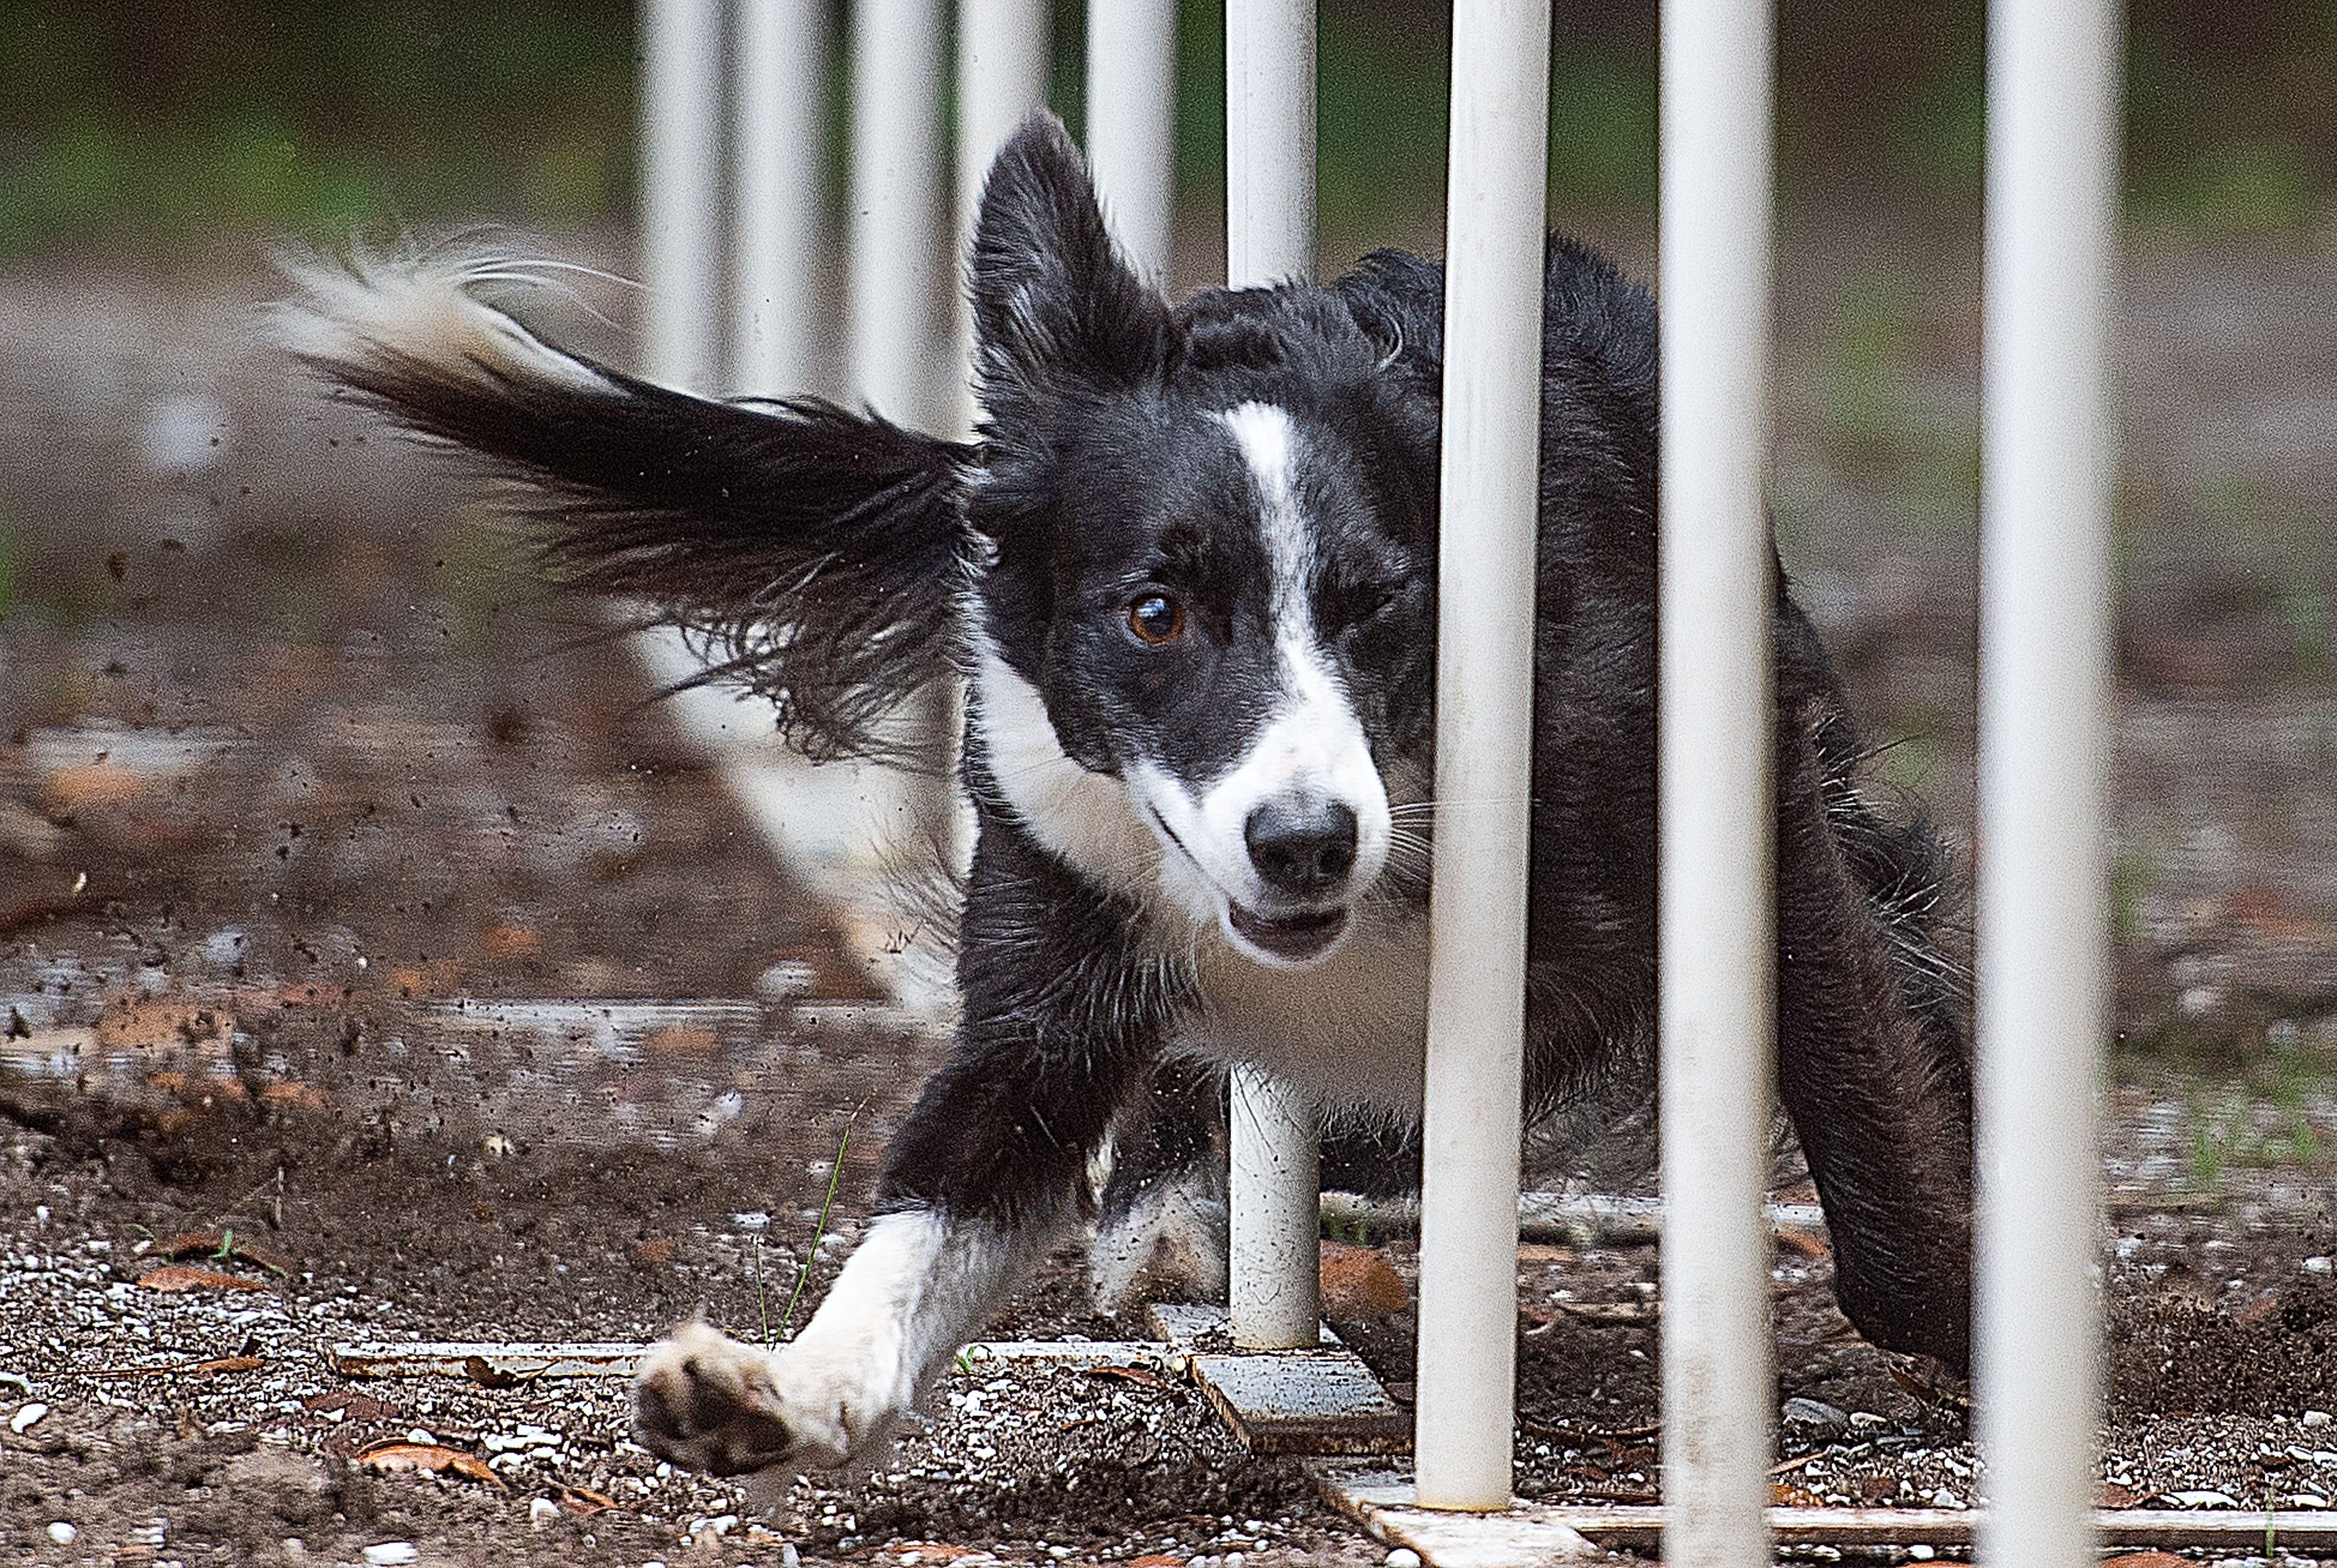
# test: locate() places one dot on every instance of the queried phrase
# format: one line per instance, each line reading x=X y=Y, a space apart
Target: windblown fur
x=815 y=550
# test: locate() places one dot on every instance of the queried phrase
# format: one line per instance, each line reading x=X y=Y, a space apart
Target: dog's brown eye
x=1155 y=618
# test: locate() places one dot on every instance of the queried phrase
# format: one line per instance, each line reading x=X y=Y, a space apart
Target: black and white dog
x=1186 y=574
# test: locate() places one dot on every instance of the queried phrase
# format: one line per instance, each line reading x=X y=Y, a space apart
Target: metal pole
x=1716 y=791
x=681 y=100
x=1273 y=1274
x=1491 y=512
x=897 y=276
x=2044 y=768
x=782 y=81
x=1132 y=124
x=1003 y=55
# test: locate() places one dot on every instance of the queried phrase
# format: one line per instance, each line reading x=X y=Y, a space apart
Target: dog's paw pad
x=707 y=1403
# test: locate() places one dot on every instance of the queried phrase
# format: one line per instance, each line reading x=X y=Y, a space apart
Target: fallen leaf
x=1543 y=1253
x=2148 y=1560
x=231 y=1364
x=180 y=1276
x=654 y=1250
x=305 y=1096
x=201 y=1369
x=583 y=1501
x=487 y=1374
x=1808 y=1243
x=1156 y=1560
x=165 y=1021
x=1929 y=1380
x=429 y=1457
x=206 y=1243
x=2111 y=1495
x=683 y=1040
x=1785 y=1494
x=511 y=941
x=1360 y=1282
x=1126 y=1374
x=353 y=1406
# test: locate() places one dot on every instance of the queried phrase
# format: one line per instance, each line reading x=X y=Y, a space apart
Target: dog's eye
x=1155 y=618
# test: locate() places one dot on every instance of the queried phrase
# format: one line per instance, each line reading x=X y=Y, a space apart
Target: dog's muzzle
x=1303 y=850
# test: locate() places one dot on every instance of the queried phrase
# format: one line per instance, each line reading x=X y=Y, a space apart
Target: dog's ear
x=1054 y=306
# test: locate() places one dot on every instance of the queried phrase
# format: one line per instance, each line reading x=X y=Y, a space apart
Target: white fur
x=372 y=313
x=917 y=1286
x=1350 y=1030
x=1084 y=818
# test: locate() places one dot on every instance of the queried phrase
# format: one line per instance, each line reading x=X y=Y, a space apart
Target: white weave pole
x=899 y=280
x=899 y=350
x=682 y=106
x=1132 y=125
x=1489 y=508
x=1716 y=795
x=1002 y=56
x=1273 y=1275
x=782 y=74
x=2041 y=999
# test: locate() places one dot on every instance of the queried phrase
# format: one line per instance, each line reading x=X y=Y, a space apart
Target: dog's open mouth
x=1291 y=937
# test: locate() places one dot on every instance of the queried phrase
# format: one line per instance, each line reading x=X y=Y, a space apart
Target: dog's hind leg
x=1878 y=1087
x=1162 y=1231
x=1063 y=1016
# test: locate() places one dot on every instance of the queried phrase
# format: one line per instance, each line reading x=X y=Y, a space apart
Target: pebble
x=2316 y=1418
x=389 y=1553
x=1403 y=1557
x=24 y=1420
x=542 y=1512
x=62 y=1533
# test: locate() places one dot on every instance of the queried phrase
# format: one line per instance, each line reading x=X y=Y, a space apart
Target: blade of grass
x=819 y=1231
x=762 y=1302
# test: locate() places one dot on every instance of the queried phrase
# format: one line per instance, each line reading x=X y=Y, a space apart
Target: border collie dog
x=1186 y=571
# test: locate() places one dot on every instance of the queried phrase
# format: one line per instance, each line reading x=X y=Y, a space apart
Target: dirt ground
x=362 y=920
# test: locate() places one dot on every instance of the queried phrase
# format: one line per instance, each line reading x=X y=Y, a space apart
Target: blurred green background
x=156 y=128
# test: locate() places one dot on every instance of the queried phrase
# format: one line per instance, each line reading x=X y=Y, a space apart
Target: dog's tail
x=813 y=550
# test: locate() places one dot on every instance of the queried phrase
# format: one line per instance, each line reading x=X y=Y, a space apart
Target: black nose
x=1300 y=847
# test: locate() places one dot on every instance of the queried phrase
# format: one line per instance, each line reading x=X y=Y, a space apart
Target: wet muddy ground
x=360 y=914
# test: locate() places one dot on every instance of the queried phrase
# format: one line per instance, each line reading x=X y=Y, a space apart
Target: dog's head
x=1204 y=617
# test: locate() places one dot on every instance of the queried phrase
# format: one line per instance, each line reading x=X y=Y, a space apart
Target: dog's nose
x=1300 y=847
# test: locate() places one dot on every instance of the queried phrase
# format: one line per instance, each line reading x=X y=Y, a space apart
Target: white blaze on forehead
x=1267 y=441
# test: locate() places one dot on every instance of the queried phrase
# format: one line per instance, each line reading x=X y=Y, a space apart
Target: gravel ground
x=349 y=905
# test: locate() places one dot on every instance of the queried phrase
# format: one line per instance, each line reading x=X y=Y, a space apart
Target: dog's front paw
x=833 y=1397
x=708 y=1403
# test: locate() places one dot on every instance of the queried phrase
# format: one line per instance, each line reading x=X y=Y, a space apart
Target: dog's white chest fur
x=1352 y=1030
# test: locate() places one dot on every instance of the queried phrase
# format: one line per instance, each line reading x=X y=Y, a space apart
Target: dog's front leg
x=1062 y=1016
